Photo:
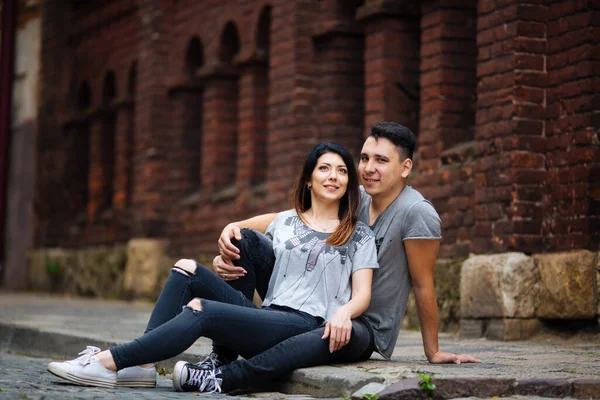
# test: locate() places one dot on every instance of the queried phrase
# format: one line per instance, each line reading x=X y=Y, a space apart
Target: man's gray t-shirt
x=310 y=275
x=410 y=216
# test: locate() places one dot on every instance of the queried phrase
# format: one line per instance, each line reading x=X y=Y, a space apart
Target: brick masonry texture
x=168 y=119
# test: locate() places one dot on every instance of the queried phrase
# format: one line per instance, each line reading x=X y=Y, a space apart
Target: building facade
x=166 y=119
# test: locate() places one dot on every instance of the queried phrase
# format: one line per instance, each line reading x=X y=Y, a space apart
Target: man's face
x=380 y=169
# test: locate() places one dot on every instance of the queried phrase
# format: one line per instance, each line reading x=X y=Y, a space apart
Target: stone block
x=406 y=389
x=498 y=286
x=147 y=262
x=511 y=329
x=45 y=269
x=567 y=285
x=451 y=388
x=96 y=271
x=92 y=271
x=544 y=388
x=472 y=328
x=586 y=389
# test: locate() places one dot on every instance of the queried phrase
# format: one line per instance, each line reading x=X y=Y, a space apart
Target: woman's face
x=329 y=179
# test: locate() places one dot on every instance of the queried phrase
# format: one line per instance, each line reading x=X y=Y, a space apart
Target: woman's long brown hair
x=348 y=210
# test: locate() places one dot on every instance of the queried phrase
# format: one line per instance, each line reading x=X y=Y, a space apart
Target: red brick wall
x=500 y=94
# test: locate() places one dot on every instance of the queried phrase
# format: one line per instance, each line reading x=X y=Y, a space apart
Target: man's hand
x=442 y=357
x=226 y=270
x=338 y=330
x=226 y=248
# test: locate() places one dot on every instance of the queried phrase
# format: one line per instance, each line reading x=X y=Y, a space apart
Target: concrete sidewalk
x=58 y=327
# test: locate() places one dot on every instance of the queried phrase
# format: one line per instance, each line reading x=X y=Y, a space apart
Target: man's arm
x=222 y=264
x=259 y=223
x=421 y=254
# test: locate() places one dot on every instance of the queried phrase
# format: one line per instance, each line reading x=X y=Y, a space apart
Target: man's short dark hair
x=398 y=134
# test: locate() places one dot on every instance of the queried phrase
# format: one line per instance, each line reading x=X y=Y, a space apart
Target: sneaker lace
x=87 y=354
x=205 y=380
x=211 y=361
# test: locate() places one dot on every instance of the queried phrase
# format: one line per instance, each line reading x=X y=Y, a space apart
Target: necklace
x=320 y=227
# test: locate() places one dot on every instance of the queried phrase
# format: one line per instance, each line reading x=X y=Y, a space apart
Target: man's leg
x=301 y=351
x=258 y=259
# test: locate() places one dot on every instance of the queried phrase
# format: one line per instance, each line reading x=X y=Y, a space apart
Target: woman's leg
x=245 y=330
x=189 y=279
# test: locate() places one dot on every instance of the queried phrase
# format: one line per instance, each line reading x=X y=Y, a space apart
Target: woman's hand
x=226 y=270
x=226 y=248
x=338 y=329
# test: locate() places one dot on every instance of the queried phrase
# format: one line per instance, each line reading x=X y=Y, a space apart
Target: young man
x=407 y=230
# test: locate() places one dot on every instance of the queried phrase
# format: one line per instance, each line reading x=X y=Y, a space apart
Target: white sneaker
x=85 y=370
x=137 y=377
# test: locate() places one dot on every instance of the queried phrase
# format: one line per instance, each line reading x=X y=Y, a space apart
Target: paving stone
x=478 y=387
x=405 y=389
x=372 y=388
x=544 y=387
x=586 y=389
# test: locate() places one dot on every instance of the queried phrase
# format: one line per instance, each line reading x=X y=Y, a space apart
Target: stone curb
x=324 y=381
x=451 y=388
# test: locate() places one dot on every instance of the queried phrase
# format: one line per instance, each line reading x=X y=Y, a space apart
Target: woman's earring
x=309 y=186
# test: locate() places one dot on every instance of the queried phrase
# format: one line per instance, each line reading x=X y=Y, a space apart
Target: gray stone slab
x=555 y=388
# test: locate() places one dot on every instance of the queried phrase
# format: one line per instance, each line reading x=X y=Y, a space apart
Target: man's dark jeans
x=227 y=314
x=300 y=351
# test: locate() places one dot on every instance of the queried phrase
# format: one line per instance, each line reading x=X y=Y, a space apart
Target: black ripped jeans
x=228 y=313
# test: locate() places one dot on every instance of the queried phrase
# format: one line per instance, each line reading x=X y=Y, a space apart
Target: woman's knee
x=195 y=304
x=185 y=266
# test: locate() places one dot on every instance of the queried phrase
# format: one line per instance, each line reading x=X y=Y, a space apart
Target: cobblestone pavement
x=26 y=378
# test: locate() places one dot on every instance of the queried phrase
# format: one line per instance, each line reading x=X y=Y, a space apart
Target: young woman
x=322 y=274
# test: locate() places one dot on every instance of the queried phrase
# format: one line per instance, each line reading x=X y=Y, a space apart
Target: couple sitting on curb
x=334 y=274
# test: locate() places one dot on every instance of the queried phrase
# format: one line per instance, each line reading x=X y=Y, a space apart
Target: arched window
x=261 y=98
x=224 y=104
x=190 y=101
x=130 y=134
x=78 y=143
x=107 y=140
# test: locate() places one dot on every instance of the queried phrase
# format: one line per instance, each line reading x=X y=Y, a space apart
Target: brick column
x=510 y=132
x=340 y=79
x=152 y=124
x=96 y=179
x=220 y=128
x=391 y=63
x=443 y=172
x=572 y=213
x=252 y=129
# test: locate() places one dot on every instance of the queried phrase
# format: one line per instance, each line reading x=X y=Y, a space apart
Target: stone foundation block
x=567 y=285
x=498 y=286
x=544 y=388
x=586 y=389
x=147 y=264
x=92 y=271
x=511 y=329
